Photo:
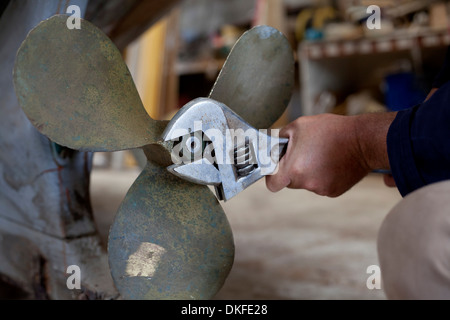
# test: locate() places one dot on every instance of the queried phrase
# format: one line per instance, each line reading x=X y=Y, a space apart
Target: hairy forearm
x=328 y=154
x=371 y=132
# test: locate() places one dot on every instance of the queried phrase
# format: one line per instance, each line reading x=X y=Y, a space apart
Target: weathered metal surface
x=257 y=78
x=170 y=240
x=38 y=262
x=46 y=221
x=76 y=89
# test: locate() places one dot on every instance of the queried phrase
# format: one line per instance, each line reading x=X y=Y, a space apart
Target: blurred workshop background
x=292 y=244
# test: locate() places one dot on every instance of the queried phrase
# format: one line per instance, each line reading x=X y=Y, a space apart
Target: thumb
x=278 y=181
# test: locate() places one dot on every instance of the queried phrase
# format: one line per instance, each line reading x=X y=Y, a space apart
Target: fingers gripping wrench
x=212 y=145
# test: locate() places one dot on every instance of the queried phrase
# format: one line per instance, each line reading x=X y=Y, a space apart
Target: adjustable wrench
x=212 y=145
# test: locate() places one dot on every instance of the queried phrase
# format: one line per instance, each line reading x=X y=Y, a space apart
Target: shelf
x=346 y=66
x=396 y=42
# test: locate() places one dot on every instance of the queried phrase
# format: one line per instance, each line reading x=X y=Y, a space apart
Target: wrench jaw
x=242 y=174
x=201 y=114
x=232 y=185
x=228 y=178
x=186 y=131
x=219 y=148
x=203 y=118
x=197 y=172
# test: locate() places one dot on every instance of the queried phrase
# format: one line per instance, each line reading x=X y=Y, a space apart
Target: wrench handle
x=283 y=149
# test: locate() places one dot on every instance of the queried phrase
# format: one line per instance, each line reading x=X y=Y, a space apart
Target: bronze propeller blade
x=76 y=89
x=257 y=78
x=170 y=239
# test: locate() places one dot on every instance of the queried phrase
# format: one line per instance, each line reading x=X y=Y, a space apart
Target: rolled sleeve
x=400 y=153
x=418 y=143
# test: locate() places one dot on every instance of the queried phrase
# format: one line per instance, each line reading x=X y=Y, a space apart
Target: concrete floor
x=289 y=245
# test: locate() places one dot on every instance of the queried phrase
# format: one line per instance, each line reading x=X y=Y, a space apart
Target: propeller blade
x=76 y=89
x=170 y=240
x=257 y=78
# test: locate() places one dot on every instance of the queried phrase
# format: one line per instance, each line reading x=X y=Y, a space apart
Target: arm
x=388 y=178
x=328 y=154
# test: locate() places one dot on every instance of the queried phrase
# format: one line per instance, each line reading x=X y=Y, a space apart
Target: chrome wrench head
x=233 y=155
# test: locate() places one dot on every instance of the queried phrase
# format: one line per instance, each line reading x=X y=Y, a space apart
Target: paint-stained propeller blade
x=170 y=240
x=76 y=89
x=257 y=78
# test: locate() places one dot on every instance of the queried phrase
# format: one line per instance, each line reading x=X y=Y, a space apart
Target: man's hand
x=328 y=154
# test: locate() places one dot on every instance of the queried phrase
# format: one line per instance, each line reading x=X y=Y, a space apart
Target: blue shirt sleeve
x=444 y=74
x=418 y=143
